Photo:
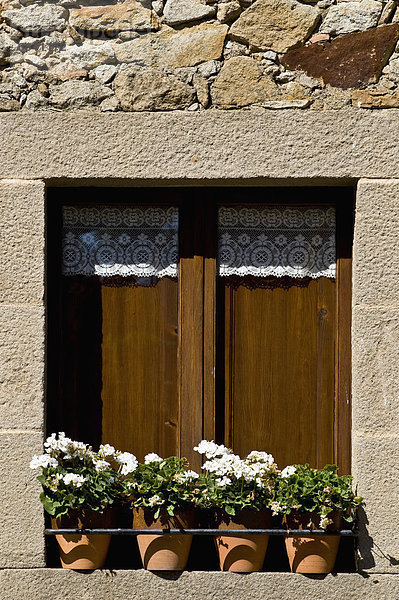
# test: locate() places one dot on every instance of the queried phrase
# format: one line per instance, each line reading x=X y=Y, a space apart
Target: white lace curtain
x=109 y=241
x=277 y=241
x=143 y=241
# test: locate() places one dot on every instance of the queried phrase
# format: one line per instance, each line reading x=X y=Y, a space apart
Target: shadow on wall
x=368 y=548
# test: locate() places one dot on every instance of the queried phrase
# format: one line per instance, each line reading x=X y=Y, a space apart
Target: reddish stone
x=319 y=37
x=350 y=61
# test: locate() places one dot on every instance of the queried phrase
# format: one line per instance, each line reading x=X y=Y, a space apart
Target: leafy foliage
x=320 y=491
x=163 y=484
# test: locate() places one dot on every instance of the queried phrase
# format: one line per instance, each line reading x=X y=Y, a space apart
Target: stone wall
x=143 y=55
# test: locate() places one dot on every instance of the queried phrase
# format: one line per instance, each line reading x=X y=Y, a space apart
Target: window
x=182 y=345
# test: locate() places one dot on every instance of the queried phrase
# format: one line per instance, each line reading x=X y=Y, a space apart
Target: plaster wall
x=244 y=148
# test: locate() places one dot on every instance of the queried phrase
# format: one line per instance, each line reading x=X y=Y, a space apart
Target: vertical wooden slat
x=209 y=220
x=191 y=322
x=343 y=399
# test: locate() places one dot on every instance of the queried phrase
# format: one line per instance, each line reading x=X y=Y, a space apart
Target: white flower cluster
x=276 y=508
x=152 y=457
x=290 y=470
x=107 y=451
x=128 y=462
x=74 y=480
x=63 y=448
x=43 y=461
x=325 y=522
x=154 y=500
x=226 y=465
x=185 y=476
x=212 y=450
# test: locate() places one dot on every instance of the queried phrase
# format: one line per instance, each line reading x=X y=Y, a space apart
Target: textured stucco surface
x=21 y=241
x=45 y=584
x=21 y=304
x=375 y=385
x=21 y=514
x=187 y=147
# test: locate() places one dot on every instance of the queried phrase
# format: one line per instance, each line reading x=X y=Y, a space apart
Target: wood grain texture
x=139 y=368
x=280 y=371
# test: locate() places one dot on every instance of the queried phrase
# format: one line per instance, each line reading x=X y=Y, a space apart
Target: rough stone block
x=275 y=24
x=376 y=261
x=22 y=241
x=376 y=473
x=21 y=514
x=375 y=99
x=375 y=341
x=129 y=16
x=241 y=82
x=349 y=61
x=186 y=47
x=347 y=17
x=21 y=366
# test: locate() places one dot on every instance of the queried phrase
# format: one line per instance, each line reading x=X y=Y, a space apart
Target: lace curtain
x=109 y=241
x=277 y=241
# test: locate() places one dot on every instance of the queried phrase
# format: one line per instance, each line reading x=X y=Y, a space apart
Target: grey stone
x=35 y=60
x=348 y=17
x=8 y=104
x=233 y=49
x=202 y=88
x=149 y=89
x=387 y=12
x=228 y=11
x=157 y=7
x=105 y=73
x=211 y=67
x=35 y=101
x=89 y=56
x=78 y=94
x=177 y=12
x=241 y=82
x=275 y=24
x=172 y=49
x=7 y=48
x=280 y=104
x=270 y=55
x=37 y=20
x=110 y=104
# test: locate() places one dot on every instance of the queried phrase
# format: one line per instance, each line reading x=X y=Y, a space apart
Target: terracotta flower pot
x=315 y=554
x=242 y=554
x=164 y=552
x=83 y=552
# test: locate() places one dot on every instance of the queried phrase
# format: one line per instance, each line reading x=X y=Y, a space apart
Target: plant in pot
x=238 y=493
x=314 y=499
x=79 y=487
x=164 y=495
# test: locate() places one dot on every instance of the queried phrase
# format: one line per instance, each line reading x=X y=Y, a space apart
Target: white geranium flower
x=152 y=457
x=325 y=522
x=211 y=450
x=100 y=465
x=154 y=500
x=43 y=461
x=73 y=479
x=223 y=481
x=290 y=470
x=185 y=476
x=106 y=450
x=128 y=462
x=276 y=508
x=260 y=457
